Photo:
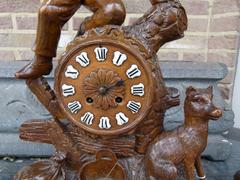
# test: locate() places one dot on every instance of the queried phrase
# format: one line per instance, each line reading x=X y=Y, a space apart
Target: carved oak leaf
x=101 y=86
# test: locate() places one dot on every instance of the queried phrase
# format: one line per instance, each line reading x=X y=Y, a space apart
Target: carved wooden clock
x=104 y=86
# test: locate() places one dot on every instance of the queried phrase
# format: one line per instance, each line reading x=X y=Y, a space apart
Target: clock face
x=104 y=88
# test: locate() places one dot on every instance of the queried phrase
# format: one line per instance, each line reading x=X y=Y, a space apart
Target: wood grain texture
x=84 y=152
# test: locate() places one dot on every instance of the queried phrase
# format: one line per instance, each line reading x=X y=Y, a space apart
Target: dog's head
x=199 y=103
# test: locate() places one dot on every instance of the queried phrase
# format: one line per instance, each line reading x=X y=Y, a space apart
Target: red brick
x=197 y=25
x=30 y=23
x=170 y=56
x=19 y=6
x=25 y=22
x=223 y=42
x=6 y=22
x=194 y=57
x=223 y=6
x=16 y=40
x=188 y=42
x=223 y=57
x=199 y=7
x=225 y=24
x=7 y=55
x=26 y=55
x=137 y=6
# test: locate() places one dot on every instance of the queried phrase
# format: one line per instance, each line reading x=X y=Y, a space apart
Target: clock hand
x=117 y=84
x=104 y=89
x=120 y=83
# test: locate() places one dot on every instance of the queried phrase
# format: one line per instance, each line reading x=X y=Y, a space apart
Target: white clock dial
x=119 y=58
x=121 y=119
x=101 y=53
x=68 y=90
x=87 y=118
x=134 y=106
x=71 y=72
x=74 y=106
x=83 y=59
x=104 y=123
x=138 y=90
x=133 y=72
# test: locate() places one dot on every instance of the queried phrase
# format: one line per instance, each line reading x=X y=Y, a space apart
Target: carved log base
x=58 y=167
x=70 y=162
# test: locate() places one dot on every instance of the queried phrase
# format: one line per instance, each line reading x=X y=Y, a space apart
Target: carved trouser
x=53 y=14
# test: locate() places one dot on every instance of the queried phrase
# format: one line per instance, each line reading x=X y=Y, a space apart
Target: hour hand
x=119 y=83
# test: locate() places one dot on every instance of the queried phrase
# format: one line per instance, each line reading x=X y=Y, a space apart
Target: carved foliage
x=101 y=85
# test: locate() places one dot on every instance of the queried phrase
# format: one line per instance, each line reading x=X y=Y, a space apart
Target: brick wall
x=212 y=36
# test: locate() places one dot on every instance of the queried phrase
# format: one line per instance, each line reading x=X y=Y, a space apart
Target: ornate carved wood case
x=103 y=83
x=110 y=89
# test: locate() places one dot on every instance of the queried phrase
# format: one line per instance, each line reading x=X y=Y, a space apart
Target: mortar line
x=208 y=28
x=14 y=21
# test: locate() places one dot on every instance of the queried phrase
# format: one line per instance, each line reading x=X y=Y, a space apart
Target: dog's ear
x=190 y=89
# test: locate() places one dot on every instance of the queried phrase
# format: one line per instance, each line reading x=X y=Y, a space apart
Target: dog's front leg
x=199 y=168
x=189 y=169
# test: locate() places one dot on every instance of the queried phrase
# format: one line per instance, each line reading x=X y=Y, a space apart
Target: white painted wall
x=236 y=96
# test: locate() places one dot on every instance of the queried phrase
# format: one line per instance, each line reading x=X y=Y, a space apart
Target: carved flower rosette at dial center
x=101 y=87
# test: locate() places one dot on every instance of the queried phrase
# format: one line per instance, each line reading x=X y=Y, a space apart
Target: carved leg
x=52 y=16
x=104 y=13
x=199 y=168
x=189 y=169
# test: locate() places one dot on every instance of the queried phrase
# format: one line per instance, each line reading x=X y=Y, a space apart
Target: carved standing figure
x=52 y=16
x=186 y=143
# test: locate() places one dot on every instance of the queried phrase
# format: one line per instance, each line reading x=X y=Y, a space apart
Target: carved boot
x=41 y=65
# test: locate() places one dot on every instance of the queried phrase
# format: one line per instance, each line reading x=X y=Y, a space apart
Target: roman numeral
x=68 y=90
x=101 y=53
x=74 y=107
x=119 y=58
x=133 y=72
x=83 y=59
x=71 y=72
x=104 y=123
x=134 y=106
x=87 y=118
x=137 y=90
x=121 y=119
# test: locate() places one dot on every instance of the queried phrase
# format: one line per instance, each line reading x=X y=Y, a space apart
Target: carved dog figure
x=186 y=143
